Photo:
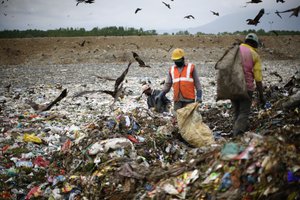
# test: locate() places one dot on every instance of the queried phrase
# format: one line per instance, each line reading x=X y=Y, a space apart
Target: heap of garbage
x=74 y=153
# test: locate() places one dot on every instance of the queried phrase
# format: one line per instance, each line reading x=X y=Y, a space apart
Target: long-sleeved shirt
x=169 y=82
x=252 y=65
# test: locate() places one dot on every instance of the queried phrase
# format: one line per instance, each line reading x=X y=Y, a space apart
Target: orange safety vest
x=183 y=82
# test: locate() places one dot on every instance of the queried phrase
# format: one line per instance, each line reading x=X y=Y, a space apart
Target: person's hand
x=198 y=100
x=159 y=97
x=199 y=96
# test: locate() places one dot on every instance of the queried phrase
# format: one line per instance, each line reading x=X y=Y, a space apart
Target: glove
x=159 y=96
x=199 y=96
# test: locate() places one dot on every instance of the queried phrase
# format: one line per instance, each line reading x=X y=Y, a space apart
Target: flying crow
x=118 y=87
x=84 y=1
x=168 y=5
x=139 y=60
x=255 y=21
x=277 y=13
x=254 y=1
x=295 y=11
x=215 y=13
x=189 y=17
x=282 y=1
x=45 y=107
x=137 y=10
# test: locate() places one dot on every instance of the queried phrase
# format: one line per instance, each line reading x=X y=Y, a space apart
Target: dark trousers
x=181 y=104
x=241 y=112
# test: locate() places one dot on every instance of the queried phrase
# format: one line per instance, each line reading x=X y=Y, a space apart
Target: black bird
x=277 y=13
x=82 y=43
x=118 y=87
x=189 y=17
x=275 y=33
x=45 y=107
x=137 y=10
x=254 y=1
x=215 y=13
x=295 y=11
x=84 y=1
x=282 y=1
x=139 y=60
x=168 y=5
x=255 y=21
x=2 y=2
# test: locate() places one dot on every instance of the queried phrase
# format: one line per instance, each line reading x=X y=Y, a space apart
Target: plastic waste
x=105 y=145
x=32 y=138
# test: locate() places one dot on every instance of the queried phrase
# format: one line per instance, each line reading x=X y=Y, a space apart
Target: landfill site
x=62 y=138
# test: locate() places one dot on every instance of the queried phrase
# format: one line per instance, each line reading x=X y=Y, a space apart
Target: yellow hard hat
x=177 y=54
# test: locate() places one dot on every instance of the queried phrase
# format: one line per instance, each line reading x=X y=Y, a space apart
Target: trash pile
x=76 y=152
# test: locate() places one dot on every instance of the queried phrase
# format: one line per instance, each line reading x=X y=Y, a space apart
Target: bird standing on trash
x=184 y=79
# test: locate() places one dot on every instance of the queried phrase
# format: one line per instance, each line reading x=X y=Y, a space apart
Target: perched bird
x=118 y=87
x=282 y=1
x=215 y=13
x=168 y=5
x=275 y=33
x=189 y=17
x=255 y=21
x=82 y=43
x=84 y=1
x=295 y=11
x=254 y=1
x=139 y=60
x=137 y=10
x=45 y=107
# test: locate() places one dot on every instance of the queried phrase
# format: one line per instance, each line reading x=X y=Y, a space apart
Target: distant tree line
x=75 y=32
x=120 y=31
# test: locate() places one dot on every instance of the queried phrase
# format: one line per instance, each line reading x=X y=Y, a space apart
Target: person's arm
x=197 y=85
x=168 y=84
x=257 y=71
x=196 y=80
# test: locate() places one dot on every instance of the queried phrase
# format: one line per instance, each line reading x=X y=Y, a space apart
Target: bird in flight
x=118 y=87
x=277 y=13
x=295 y=11
x=282 y=1
x=254 y=1
x=255 y=21
x=84 y=1
x=168 y=5
x=137 y=10
x=45 y=107
x=215 y=13
x=139 y=60
x=189 y=17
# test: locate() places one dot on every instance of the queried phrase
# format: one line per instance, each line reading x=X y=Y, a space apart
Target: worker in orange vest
x=185 y=81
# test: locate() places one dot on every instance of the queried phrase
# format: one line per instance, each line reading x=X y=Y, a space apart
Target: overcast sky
x=52 y=14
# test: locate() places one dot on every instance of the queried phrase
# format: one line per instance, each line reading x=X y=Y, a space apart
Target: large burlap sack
x=192 y=128
x=231 y=83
